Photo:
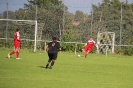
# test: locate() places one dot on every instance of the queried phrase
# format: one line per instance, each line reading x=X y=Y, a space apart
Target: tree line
x=54 y=19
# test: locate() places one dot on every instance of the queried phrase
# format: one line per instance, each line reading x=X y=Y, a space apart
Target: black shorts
x=52 y=56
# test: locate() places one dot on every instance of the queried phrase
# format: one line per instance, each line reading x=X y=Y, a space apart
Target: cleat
x=9 y=56
x=17 y=58
x=47 y=65
x=50 y=67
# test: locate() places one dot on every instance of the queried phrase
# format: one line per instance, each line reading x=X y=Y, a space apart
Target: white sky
x=73 y=5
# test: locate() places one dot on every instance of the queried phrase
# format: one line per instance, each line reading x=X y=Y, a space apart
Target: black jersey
x=53 y=47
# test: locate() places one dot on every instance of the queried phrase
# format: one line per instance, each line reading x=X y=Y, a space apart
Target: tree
x=11 y=14
x=79 y=16
x=50 y=13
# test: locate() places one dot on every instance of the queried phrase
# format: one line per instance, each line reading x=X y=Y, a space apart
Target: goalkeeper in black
x=52 y=49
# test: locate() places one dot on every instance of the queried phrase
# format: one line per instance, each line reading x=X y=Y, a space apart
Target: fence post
x=75 y=47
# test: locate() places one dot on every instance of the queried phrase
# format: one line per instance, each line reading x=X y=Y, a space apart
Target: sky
x=73 y=5
x=83 y=5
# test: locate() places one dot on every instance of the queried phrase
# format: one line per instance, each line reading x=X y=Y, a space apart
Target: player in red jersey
x=16 y=45
x=89 y=46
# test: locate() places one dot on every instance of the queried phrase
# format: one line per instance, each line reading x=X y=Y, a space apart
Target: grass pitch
x=69 y=71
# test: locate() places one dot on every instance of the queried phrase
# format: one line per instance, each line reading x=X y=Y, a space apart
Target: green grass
x=69 y=71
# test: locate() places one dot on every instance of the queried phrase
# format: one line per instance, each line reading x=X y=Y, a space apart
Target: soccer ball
x=78 y=55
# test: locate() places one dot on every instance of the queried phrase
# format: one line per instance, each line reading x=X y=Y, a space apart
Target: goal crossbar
x=35 y=21
x=18 y=20
x=112 y=39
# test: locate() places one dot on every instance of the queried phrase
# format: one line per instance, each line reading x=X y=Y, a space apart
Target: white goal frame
x=35 y=21
x=112 y=40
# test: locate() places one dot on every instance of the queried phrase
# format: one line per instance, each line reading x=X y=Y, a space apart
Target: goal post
x=25 y=25
x=106 y=42
x=35 y=43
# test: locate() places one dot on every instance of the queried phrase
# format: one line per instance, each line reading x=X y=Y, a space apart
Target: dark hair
x=91 y=37
x=17 y=29
x=54 y=38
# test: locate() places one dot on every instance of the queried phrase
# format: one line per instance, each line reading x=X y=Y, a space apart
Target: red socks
x=85 y=55
x=17 y=54
x=12 y=53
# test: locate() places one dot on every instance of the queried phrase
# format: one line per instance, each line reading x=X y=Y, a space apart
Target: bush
x=124 y=50
x=128 y=51
x=68 y=47
x=118 y=50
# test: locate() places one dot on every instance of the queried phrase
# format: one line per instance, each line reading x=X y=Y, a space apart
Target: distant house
x=85 y=19
x=76 y=23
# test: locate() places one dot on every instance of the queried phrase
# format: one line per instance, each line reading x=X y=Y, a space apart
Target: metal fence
x=67 y=26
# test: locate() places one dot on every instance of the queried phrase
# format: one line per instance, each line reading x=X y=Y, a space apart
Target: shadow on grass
x=41 y=66
x=13 y=58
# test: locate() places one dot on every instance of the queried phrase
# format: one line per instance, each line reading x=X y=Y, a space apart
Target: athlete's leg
x=52 y=63
x=17 y=52
x=12 y=52
x=53 y=60
x=48 y=63
x=86 y=54
x=49 y=60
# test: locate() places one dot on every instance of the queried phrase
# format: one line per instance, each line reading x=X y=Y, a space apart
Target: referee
x=52 y=49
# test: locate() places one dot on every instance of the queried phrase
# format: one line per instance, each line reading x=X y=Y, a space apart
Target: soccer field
x=69 y=71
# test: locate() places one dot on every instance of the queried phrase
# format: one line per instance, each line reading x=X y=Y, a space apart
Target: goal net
x=28 y=32
x=105 y=41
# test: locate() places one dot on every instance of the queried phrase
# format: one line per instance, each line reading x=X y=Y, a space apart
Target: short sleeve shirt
x=53 y=47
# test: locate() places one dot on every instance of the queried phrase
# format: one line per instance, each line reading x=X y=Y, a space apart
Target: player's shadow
x=41 y=66
x=10 y=58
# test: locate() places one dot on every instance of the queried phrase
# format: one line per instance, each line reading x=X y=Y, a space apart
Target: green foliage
x=0 y=16
x=124 y=50
x=24 y=44
x=55 y=18
x=118 y=50
x=68 y=47
x=71 y=47
x=128 y=51
x=45 y=2
x=79 y=47
x=79 y=16
x=27 y=45
x=6 y=44
x=107 y=17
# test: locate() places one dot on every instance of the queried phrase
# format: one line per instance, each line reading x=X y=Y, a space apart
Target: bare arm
x=60 y=49
x=46 y=48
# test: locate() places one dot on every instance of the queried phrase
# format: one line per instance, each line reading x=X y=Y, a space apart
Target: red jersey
x=91 y=43
x=16 y=37
x=89 y=46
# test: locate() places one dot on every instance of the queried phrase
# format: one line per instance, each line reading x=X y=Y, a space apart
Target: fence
x=71 y=27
